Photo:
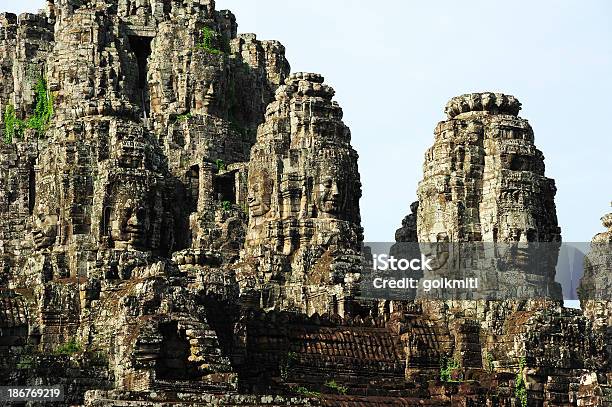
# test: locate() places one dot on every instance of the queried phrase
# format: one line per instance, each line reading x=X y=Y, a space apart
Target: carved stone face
x=208 y=93
x=44 y=232
x=133 y=216
x=130 y=225
x=260 y=193
x=328 y=196
x=209 y=96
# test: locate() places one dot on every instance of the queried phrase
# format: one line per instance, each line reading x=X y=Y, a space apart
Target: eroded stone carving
x=149 y=227
x=260 y=193
x=596 y=286
x=44 y=231
x=304 y=199
x=494 y=103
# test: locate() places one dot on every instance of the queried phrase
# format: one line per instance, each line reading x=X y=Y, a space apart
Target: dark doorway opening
x=31 y=189
x=192 y=179
x=225 y=187
x=173 y=362
x=141 y=47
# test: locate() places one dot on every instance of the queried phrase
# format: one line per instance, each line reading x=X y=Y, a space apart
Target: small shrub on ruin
x=183 y=117
x=220 y=165
x=303 y=391
x=208 y=39
x=450 y=371
x=69 y=348
x=520 y=389
x=489 y=362
x=43 y=111
x=13 y=126
x=336 y=387
x=226 y=206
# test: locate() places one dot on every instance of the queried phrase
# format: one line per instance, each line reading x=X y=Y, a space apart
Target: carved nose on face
x=335 y=192
x=137 y=217
x=133 y=219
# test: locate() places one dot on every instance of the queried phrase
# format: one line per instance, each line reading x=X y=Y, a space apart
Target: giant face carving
x=133 y=217
x=337 y=189
x=208 y=95
x=44 y=231
x=328 y=196
x=260 y=193
x=130 y=225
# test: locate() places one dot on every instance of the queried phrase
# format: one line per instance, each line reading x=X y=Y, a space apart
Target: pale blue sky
x=394 y=65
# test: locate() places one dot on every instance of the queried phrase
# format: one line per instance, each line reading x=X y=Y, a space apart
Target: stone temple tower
x=304 y=233
x=483 y=181
x=484 y=177
x=595 y=286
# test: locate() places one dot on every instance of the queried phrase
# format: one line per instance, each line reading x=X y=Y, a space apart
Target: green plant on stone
x=226 y=206
x=331 y=384
x=307 y=393
x=13 y=127
x=520 y=389
x=183 y=117
x=220 y=165
x=489 y=359
x=26 y=362
x=208 y=38
x=449 y=370
x=69 y=348
x=43 y=111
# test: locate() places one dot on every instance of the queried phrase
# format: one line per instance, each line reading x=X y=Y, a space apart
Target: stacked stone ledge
x=190 y=220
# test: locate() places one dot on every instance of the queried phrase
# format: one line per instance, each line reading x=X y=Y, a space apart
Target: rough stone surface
x=596 y=284
x=484 y=178
x=304 y=231
x=186 y=230
x=484 y=181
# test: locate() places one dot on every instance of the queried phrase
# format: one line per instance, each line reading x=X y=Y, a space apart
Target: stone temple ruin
x=180 y=223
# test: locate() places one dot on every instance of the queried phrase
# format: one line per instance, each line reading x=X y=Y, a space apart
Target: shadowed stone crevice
x=173 y=362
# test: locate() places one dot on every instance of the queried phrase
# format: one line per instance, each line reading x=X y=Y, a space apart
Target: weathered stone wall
x=188 y=224
x=484 y=181
x=280 y=347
